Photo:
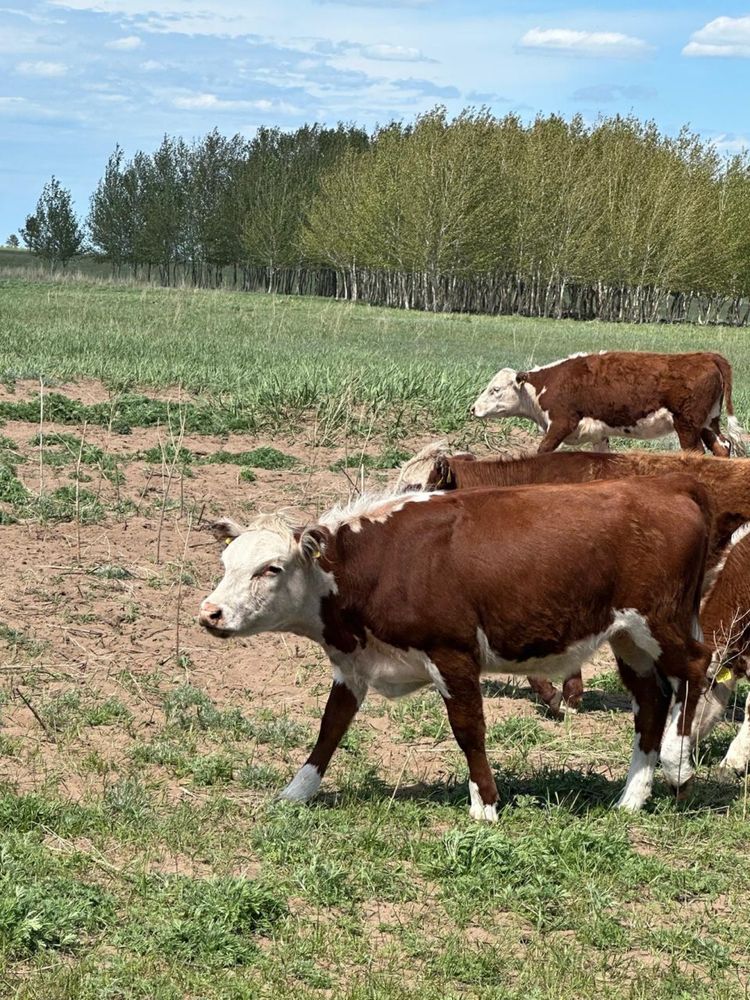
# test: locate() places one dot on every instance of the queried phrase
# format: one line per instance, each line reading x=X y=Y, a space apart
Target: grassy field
x=142 y=852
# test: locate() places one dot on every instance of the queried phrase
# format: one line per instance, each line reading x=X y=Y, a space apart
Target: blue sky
x=79 y=76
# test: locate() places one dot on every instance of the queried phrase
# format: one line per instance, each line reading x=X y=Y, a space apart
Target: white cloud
x=392 y=53
x=11 y=103
x=152 y=65
x=585 y=43
x=728 y=142
x=42 y=69
x=210 y=102
x=126 y=44
x=724 y=36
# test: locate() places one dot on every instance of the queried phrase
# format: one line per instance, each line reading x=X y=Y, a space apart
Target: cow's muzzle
x=211 y=617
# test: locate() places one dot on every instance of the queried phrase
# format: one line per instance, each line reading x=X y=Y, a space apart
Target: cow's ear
x=313 y=541
x=522 y=377
x=225 y=530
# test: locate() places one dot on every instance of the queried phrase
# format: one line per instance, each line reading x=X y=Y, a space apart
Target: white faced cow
x=588 y=398
x=435 y=588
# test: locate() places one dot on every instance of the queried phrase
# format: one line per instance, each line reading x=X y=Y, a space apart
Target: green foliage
x=52 y=233
x=18 y=641
x=43 y=905
x=211 y=922
x=258 y=458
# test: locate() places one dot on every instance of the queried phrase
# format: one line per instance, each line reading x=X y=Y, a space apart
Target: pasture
x=142 y=853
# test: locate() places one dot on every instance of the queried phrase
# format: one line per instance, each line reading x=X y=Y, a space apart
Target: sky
x=80 y=76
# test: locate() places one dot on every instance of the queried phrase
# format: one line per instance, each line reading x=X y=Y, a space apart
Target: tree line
x=614 y=220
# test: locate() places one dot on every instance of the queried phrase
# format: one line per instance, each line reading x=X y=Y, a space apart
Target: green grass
x=143 y=853
x=261 y=360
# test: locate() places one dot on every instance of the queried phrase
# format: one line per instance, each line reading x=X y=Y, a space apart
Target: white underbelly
x=570 y=660
x=655 y=425
x=391 y=671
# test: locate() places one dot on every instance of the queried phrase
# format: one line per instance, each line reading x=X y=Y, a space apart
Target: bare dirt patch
x=109 y=608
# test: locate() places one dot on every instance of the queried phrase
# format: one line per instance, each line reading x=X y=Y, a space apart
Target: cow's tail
x=735 y=431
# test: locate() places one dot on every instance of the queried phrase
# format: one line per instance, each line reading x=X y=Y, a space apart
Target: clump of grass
x=62 y=504
x=387 y=459
x=107 y=712
x=61 y=448
x=207 y=922
x=247 y=476
x=259 y=776
x=259 y=458
x=128 y=799
x=609 y=682
x=19 y=642
x=110 y=571
x=44 y=905
x=421 y=717
x=169 y=454
x=516 y=733
x=188 y=708
x=12 y=490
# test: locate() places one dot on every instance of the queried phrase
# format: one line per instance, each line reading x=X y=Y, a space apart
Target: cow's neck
x=530 y=400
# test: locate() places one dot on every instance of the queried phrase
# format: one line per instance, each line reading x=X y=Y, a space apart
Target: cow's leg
x=689 y=437
x=650 y=708
x=573 y=691
x=463 y=701
x=686 y=668
x=549 y=694
x=715 y=441
x=557 y=431
x=340 y=709
x=738 y=754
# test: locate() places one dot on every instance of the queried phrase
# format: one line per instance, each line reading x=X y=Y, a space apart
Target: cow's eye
x=270 y=570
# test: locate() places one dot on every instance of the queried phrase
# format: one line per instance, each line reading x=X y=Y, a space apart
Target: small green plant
x=20 y=642
x=259 y=458
x=109 y=571
x=107 y=712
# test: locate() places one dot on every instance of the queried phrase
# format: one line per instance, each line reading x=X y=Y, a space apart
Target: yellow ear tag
x=228 y=541
x=724 y=675
x=316 y=555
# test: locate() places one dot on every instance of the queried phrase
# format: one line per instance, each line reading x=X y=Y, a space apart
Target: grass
x=143 y=853
x=255 y=361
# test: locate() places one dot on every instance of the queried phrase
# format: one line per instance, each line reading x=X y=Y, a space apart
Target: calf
x=725 y=619
x=634 y=394
x=728 y=484
x=428 y=588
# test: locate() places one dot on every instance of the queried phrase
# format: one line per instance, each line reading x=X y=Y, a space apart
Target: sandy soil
x=133 y=637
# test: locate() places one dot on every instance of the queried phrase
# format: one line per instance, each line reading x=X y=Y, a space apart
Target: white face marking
x=303 y=785
x=675 y=754
x=504 y=397
x=478 y=809
x=640 y=778
x=268 y=586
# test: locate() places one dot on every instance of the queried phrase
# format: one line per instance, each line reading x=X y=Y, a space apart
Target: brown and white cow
x=588 y=398
x=435 y=588
x=728 y=485
x=725 y=619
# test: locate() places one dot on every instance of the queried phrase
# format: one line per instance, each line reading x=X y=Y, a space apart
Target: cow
x=412 y=589
x=725 y=620
x=633 y=394
x=728 y=484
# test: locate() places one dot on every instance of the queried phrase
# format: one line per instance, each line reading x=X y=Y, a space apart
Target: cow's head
x=505 y=396
x=272 y=581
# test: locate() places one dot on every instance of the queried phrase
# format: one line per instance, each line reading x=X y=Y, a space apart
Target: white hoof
x=478 y=808
x=303 y=785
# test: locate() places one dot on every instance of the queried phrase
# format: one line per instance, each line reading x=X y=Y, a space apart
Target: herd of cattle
x=527 y=566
